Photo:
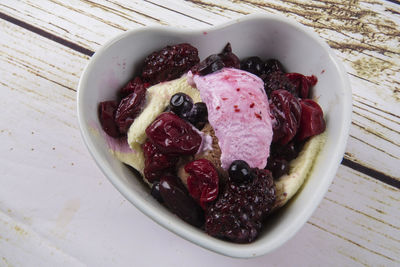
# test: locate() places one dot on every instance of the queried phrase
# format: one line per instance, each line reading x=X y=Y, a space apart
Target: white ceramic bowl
x=267 y=36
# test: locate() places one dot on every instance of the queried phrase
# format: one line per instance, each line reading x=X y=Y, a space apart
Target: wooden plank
x=356 y=224
x=369 y=50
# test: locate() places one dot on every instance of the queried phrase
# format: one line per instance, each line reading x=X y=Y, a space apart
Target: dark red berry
x=302 y=83
x=273 y=65
x=209 y=65
x=202 y=181
x=129 y=108
x=155 y=192
x=286 y=110
x=312 y=119
x=178 y=201
x=216 y=62
x=278 y=81
x=278 y=167
x=238 y=213
x=134 y=85
x=156 y=163
x=239 y=172
x=107 y=111
x=230 y=59
x=173 y=135
x=254 y=65
x=289 y=151
x=169 y=63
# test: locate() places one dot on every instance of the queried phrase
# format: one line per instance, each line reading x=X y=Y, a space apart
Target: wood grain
x=364 y=34
x=357 y=223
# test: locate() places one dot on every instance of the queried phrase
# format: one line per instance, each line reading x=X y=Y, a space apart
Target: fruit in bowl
x=200 y=132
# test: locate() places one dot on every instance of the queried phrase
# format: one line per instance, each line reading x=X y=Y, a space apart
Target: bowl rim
x=213 y=244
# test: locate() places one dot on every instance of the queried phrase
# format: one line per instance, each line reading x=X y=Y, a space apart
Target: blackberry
x=169 y=63
x=254 y=65
x=272 y=65
x=238 y=213
x=277 y=80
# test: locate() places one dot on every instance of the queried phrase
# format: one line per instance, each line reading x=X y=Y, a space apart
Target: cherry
x=106 y=116
x=302 y=83
x=157 y=163
x=155 y=192
x=312 y=119
x=172 y=135
x=286 y=111
x=202 y=182
x=230 y=59
x=133 y=86
x=129 y=108
x=177 y=200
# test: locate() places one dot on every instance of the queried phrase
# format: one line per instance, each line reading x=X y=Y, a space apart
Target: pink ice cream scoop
x=238 y=110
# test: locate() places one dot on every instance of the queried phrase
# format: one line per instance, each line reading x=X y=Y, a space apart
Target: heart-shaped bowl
x=267 y=36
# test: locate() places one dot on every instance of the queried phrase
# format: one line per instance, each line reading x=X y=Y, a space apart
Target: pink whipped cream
x=238 y=110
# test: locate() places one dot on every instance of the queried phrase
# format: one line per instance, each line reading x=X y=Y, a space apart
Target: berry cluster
x=295 y=116
x=169 y=137
x=169 y=63
x=247 y=199
x=234 y=211
x=216 y=62
x=196 y=114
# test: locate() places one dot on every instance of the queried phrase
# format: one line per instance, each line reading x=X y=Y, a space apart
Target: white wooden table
x=58 y=209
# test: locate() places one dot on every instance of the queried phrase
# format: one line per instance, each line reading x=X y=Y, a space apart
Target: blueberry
x=254 y=65
x=240 y=172
x=180 y=103
x=209 y=65
x=198 y=115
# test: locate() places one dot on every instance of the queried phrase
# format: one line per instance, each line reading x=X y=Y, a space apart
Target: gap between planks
x=346 y=162
x=47 y=35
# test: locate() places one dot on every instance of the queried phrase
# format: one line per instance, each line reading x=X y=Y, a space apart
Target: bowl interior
x=266 y=36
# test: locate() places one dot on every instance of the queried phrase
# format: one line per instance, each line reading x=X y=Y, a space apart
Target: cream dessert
x=222 y=143
x=238 y=111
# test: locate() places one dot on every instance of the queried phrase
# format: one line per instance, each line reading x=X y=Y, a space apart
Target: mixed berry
x=234 y=209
